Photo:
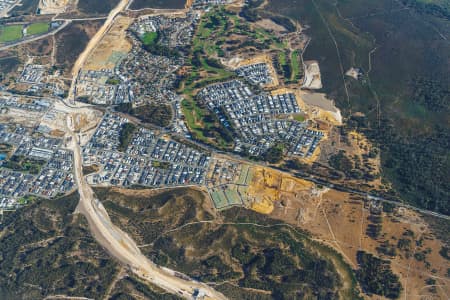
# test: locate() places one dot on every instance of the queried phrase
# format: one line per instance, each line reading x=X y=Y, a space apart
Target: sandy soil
x=82 y=58
x=53 y=6
x=341 y=222
x=24 y=117
x=270 y=25
x=313 y=78
x=318 y=106
x=270 y=188
x=113 y=45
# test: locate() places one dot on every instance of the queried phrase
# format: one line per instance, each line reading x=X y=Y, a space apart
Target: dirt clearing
x=112 y=48
x=344 y=221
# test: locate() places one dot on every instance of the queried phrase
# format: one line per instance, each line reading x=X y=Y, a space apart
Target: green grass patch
x=10 y=33
x=113 y=81
x=26 y=200
x=219 y=199
x=285 y=66
x=24 y=164
x=37 y=28
x=203 y=125
x=211 y=28
x=194 y=117
x=126 y=134
x=300 y=118
x=243 y=175
x=233 y=196
x=206 y=69
x=161 y=164
x=150 y=38
x=282 y=58
x=295 y=66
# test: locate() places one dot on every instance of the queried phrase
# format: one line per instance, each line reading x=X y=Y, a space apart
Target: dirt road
x=120 y=245
x=93 y=43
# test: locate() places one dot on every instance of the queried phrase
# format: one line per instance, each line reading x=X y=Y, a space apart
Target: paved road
x=310 y=177
x=121 y=246
x=66 y=22
x=29 y=40
x=114 y=240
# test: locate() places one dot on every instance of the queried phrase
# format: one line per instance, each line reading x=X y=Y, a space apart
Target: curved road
x=121 y=246
x=114 y=240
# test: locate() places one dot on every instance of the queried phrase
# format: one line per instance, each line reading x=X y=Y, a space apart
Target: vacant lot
x=112 y=48
x=96 y=7
x=166 y=4
x=268 y=188
x=71 y=42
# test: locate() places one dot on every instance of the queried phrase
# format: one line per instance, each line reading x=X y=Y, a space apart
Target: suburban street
x=118 y=243
x=121 y=246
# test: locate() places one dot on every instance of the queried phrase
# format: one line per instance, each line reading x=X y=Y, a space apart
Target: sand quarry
x=340 y=220
x=269 y=187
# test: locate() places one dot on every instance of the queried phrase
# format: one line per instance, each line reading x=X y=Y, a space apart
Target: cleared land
x=268 y=186
x=72 y=41
x=349 y=224
x=161 y=4
x=54 y=6
x=112 y=47
x=97 y=7
x=93 y=42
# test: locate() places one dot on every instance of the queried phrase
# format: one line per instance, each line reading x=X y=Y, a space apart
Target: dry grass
x=270 y=25
x=338 y=220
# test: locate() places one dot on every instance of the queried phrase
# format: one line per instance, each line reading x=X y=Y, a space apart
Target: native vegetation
x=265 y=261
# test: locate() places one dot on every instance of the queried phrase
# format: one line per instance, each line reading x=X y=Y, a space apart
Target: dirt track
x=120 y=245
x=93 y=43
